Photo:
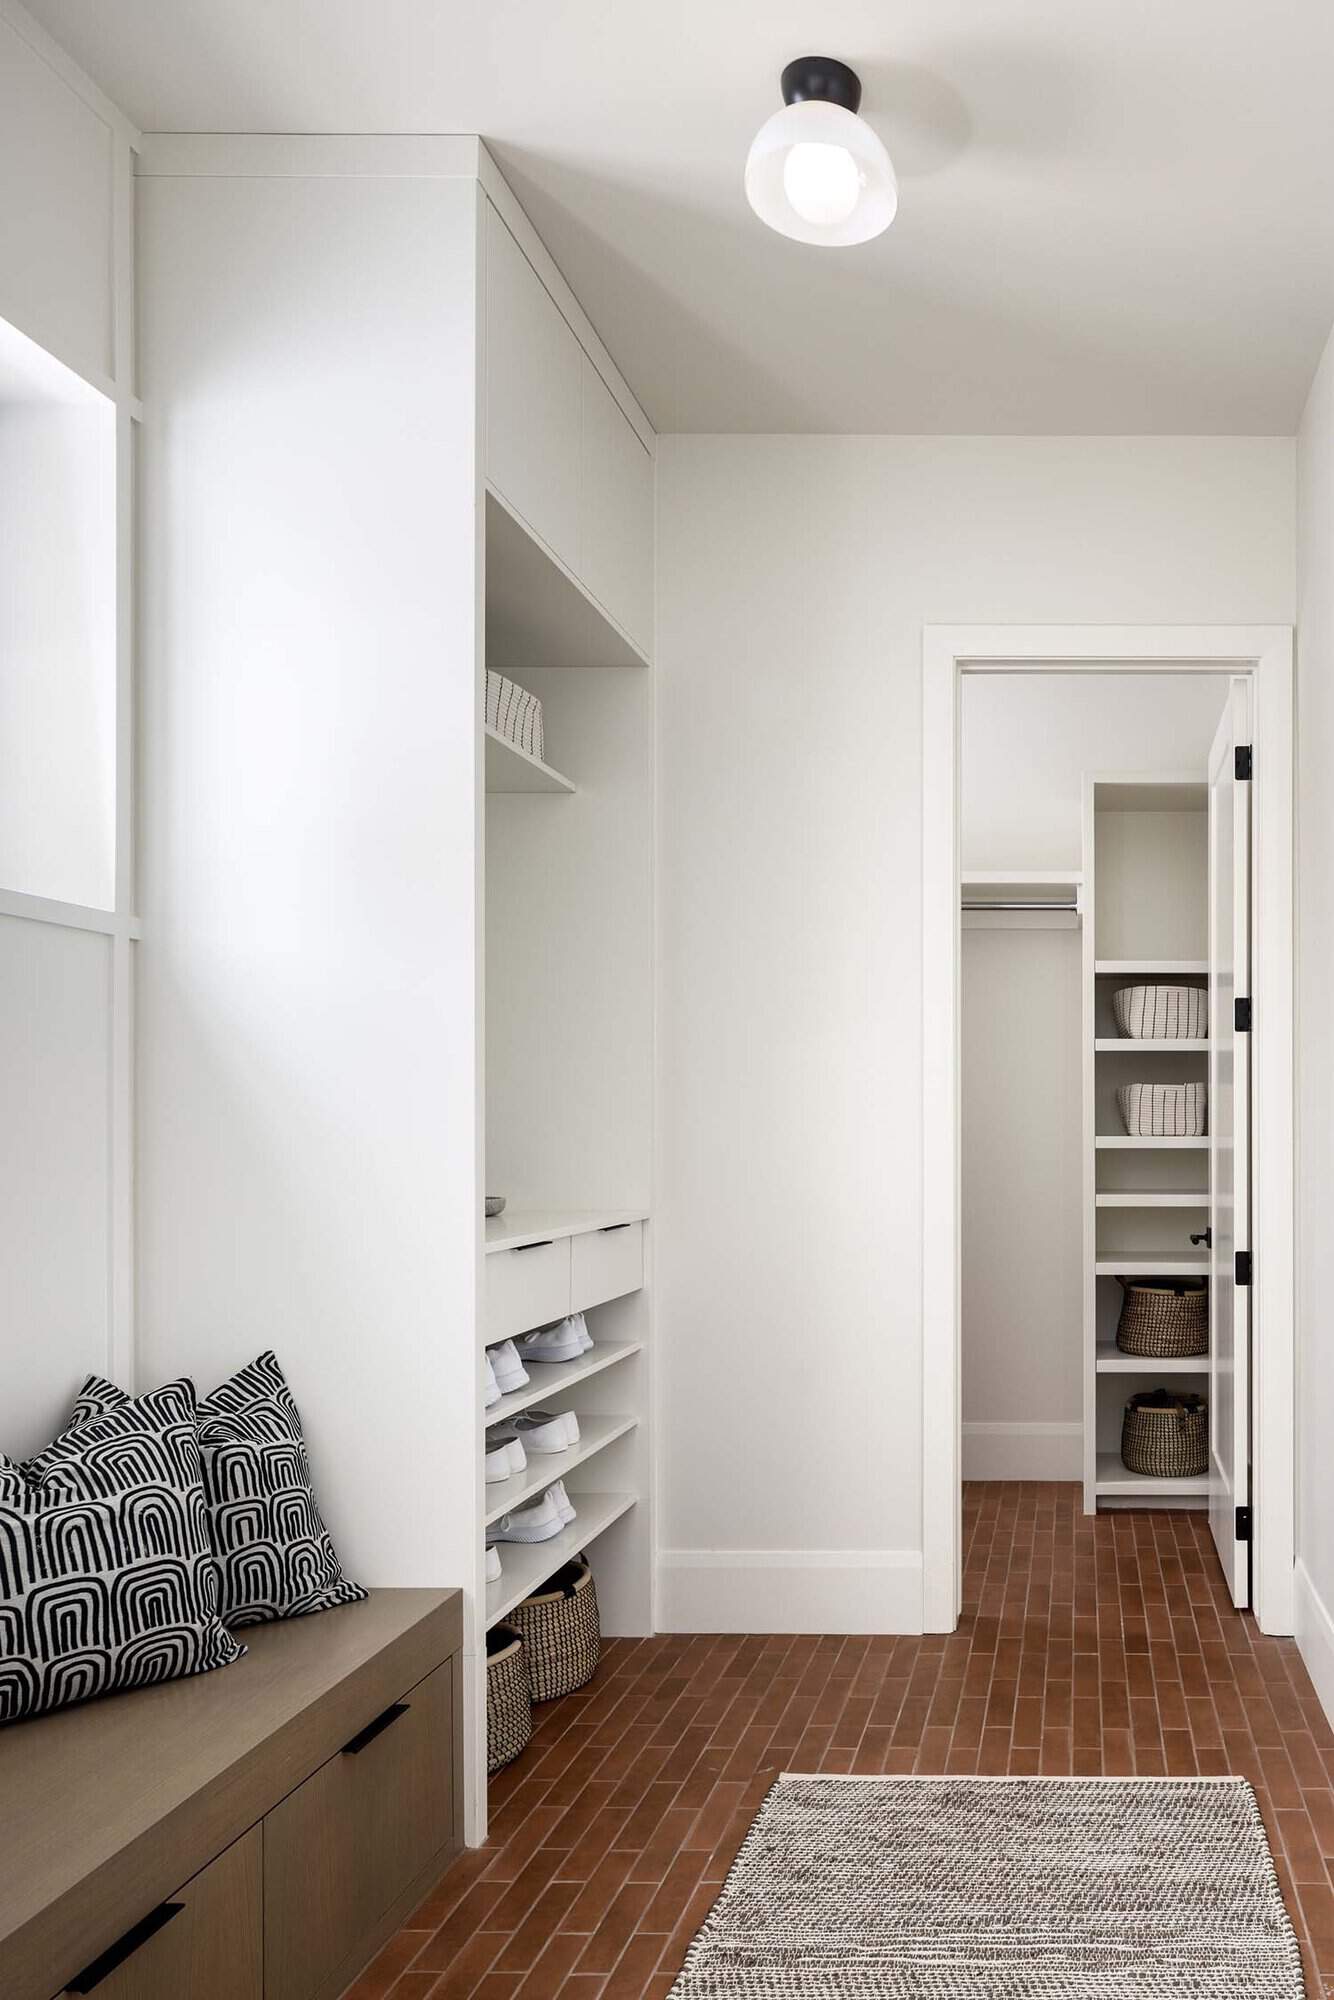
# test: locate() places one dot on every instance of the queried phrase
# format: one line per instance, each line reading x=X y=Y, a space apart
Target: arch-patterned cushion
x=107 y=1573
x=278 y=1559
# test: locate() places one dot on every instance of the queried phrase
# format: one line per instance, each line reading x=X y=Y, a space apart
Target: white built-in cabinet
x=561 y=452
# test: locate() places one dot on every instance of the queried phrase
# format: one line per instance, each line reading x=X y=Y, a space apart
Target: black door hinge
x=1243 y=1267
x=1243 y=1524
x=1242 y=764
x=1241 y=1016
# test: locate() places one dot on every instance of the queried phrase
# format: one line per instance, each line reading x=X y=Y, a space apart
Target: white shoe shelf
x=540 y=1265
x=544 y=1468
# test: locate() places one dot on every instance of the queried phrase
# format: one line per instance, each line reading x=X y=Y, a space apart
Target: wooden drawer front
x=204 y=1941
x=605 y=1264
x=527 y=1287
x=344 y=1845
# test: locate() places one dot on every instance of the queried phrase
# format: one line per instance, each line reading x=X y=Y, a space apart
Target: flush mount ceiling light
x=817 y=171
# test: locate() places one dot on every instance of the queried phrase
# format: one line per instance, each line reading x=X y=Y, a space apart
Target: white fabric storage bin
x=1164 y=1110
x=1162 y=1013
x=515 y=713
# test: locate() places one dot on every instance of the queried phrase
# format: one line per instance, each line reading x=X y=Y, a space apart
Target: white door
x=1229 y=1141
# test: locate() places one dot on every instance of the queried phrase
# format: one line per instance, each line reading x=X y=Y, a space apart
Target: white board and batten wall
x=67 y=909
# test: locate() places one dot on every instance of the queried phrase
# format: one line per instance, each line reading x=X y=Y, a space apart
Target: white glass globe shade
x=820 y=174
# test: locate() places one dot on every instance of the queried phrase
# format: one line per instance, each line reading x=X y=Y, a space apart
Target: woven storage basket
x=561 y=1634
x=509 y=1706
x=1164 y=1321
x=1164 y=1110
x=1166 y=1436
x=1162 y=1013
x=515 y=713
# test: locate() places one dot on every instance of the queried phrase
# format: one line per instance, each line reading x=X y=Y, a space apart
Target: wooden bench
x=250 y=1834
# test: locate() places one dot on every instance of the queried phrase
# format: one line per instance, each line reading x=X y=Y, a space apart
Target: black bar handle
x=545 y=1244
x=612 y=1227
x=116 y=1954
x=374 y=1729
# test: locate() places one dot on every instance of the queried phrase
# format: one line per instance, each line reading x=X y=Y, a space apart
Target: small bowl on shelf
x=495 y=1205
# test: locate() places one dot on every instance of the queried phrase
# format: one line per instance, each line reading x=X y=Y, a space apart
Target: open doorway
x=1097 y=826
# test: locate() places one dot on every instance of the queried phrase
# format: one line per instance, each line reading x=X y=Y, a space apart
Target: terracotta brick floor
x=1086 y=1646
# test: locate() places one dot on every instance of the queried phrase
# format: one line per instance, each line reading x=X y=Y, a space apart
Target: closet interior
x=1071 y=1193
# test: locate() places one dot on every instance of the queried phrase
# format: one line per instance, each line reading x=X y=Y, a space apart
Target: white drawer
x=605 y=1264
x=527 y=1287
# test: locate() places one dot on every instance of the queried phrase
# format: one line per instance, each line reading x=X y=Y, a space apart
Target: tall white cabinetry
x=389 y=961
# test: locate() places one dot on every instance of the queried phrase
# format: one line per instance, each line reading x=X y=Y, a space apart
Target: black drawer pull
x=612 y=1227
x=116 y=1954
x=374 y=1729
x=545 y=1244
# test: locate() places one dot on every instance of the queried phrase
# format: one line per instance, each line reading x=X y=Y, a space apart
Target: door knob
x=1205 y=1236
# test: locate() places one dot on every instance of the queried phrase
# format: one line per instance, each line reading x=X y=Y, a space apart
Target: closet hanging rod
x=993 y=904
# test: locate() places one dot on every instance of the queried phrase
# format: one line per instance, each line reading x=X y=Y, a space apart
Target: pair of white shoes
x=564 y=1340
x=540 y=1521
x=504 y=1372
x=539 y=1430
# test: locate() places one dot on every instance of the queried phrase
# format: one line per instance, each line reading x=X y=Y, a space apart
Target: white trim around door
x=1265 y=653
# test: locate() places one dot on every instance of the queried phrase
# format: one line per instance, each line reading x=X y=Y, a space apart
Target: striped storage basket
x=509 y=1705
x=1162 y=1013
x=515 y=714
x=561 y=1634
x=1166 y=1436
x=1164 y=1110
x=1164 y=1322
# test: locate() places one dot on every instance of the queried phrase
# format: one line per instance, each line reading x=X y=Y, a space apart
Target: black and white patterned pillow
x=107 y=1572
x=277 y=1557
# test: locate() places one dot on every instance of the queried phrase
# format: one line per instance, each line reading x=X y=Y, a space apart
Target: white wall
x=1027 y=740
x=795 y=575
x=307 y=1059
x=1315 y=1011
x=65 y=989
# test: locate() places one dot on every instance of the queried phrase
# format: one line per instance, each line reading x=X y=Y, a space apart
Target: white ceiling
x=1115 y=215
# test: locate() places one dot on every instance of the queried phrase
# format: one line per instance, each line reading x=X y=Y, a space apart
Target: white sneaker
x=561 y=1501
x=580 y=1325
x=548 y=1430
x=505 y=1454
x=537 y=1523
x=493 y=1570
x=497 y=1464
x=560 y=1342
x=509 y=1370
x=490 y=1386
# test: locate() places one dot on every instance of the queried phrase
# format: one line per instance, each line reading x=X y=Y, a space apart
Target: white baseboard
x=1023 y=1451
x=790 y=1590
x=1315 y=1636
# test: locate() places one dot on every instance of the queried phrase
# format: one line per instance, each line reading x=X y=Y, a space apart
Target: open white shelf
x=1152 y=1264
x=510 y=769
x=1122 y=1141
x=1114 y=1482
x=1130 y=1045
x=527 y=1565
x=1153 y=1198
x=548 y=1378
x=545 y=1467
x=1111 y=1361
x=1150 y=968
x=542 y=1225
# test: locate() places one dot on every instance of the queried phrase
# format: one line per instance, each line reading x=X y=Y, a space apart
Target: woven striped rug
x=999 y=1889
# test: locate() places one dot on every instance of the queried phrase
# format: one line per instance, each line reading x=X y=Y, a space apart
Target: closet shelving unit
x=1145 y=894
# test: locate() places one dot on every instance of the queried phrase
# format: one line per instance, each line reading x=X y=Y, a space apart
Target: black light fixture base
x=822 y=77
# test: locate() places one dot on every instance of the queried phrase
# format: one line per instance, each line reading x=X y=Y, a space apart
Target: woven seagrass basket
x=509 y=1705
x=1164 y=1321
x=561 y=1634
x=1166 y=1436
x=1164 y=1110
x=1161 y=1013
